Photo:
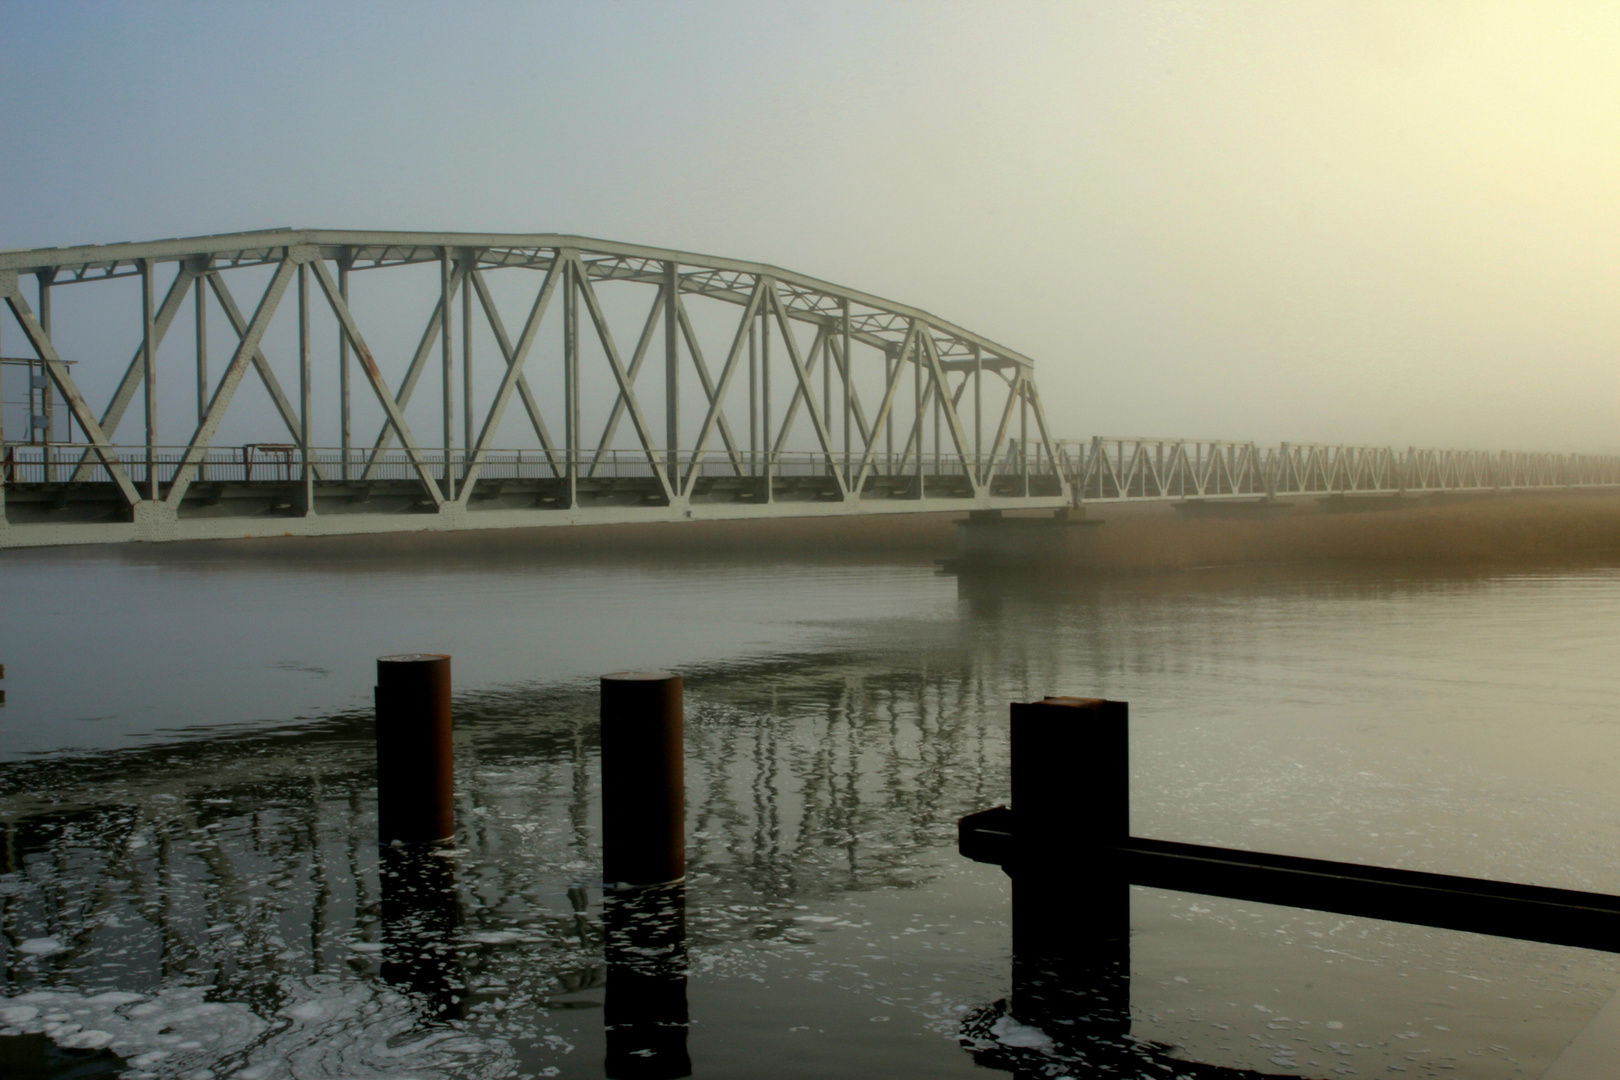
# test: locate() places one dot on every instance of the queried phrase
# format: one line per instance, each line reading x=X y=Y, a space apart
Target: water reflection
x=1286 y=714
x=645 y=1010
x=420 y=917
x=1070 y=1006
x=248 y=866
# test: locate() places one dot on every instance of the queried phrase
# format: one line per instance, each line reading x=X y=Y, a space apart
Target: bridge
x=777 y=394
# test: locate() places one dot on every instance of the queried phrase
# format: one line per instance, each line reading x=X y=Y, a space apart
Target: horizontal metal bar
x=1528 y=912
x=1446 y=901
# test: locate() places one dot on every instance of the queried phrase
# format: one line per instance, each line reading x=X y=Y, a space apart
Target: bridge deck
x=255 y=491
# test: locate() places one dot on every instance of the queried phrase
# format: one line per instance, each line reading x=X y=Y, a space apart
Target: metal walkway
x=810 y=400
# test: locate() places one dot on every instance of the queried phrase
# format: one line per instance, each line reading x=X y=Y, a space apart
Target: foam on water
x=332 y=1029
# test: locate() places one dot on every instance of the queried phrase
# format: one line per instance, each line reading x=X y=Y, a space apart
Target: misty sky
x=1315 y=222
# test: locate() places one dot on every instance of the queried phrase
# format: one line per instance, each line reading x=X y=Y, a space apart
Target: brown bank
x=1099 y=537
x=1150 y=537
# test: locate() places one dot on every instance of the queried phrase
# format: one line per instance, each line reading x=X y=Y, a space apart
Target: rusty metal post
x=415 y=785
x=643 y=779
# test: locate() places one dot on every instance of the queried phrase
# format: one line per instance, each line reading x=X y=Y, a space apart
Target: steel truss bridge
x=1116 y=469
x=772 y=393
x=777 y=395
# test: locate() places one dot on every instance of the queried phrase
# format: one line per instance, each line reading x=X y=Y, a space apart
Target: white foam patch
x=1010 y=1032
x=328 y=1028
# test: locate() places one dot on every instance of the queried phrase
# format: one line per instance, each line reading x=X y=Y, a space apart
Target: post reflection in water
x=420 y=918
x=1071 y=898
x=1071 y=988
x=645 y=1008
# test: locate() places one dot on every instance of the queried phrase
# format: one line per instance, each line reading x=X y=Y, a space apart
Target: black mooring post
x=1071 y=896
x=643 y=779
x=415 y=763
x=643 y=865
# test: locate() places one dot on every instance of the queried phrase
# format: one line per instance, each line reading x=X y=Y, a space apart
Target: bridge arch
x=540 y=379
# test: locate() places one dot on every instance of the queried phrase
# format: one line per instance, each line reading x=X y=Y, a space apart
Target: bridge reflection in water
x=248 y=866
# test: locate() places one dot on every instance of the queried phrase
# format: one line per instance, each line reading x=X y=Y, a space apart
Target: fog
x=1380 y=223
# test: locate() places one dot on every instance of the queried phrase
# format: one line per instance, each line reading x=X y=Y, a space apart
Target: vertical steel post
x=149 y=372
x=200 y=304
x=415 y=762
x=826 y=386
x=938 y=395
x=849 y=468
x=917 y=407
x=305 y=391
x=33 y=401
x=46 y=402
x=468 y=435
x=753 y=397
x=978 y=417
x=643 y=779
x=767 y=439
x=448 y=365
x=1023 y=433
x=888 y=421
x=571 y=433
x=6 y=454
x=672 y=370
x=344 y=433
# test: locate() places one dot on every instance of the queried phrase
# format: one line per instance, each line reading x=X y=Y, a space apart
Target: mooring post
x=643 y=779
x=1071 y=895
x=1070 y=780
x=415 y=780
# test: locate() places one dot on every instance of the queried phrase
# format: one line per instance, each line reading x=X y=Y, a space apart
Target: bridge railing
x=1136 y=468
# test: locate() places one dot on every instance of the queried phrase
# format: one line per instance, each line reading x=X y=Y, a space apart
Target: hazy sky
x=1393 y=223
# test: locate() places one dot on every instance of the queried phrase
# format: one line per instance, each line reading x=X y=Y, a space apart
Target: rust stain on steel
x=366 y=361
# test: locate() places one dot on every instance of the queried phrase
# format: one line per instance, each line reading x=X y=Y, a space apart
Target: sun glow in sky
x=1391 y=223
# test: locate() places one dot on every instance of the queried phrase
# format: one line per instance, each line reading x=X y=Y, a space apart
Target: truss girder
x=1120 y=468
x=802 y=359
x=876 y=320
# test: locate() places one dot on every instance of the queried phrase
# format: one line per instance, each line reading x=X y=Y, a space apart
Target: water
x=190 y=874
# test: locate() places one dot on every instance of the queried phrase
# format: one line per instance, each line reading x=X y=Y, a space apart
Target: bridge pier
x=987 y=540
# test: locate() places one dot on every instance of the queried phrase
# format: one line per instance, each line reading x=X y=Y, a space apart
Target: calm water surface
x=190 y=875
